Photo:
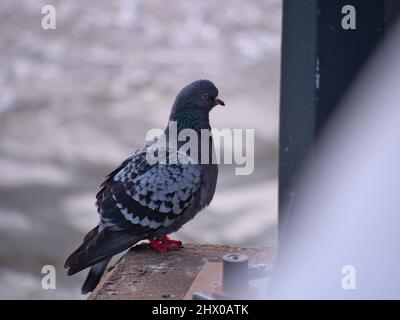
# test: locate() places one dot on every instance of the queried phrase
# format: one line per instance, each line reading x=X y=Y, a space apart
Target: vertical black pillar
x=320 y=59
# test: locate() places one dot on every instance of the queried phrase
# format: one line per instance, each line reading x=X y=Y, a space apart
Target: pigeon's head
x=198 y=97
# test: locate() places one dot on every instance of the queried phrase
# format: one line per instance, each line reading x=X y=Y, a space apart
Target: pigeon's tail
x=97 y=249
x=94 y=276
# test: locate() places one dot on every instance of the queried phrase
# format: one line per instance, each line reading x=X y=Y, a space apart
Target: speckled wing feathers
x=147 y=197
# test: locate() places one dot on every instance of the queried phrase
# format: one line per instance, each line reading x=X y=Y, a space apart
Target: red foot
x=164 y=244
x=168 y=240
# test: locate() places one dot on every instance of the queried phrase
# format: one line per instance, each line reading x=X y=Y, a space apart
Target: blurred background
x=78 y=100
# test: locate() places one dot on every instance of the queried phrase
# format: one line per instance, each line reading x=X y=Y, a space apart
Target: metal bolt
x=235 y=273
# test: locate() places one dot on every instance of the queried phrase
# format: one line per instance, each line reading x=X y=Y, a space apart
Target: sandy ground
x=77 y=100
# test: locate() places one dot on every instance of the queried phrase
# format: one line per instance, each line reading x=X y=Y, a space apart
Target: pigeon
x=147 y=200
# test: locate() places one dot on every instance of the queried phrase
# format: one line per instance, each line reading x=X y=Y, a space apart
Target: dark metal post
x=320 y=59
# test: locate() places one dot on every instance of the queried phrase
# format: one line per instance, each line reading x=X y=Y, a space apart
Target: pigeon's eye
x=205 y=96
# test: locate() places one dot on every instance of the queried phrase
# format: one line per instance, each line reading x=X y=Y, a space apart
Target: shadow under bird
x=143 y=200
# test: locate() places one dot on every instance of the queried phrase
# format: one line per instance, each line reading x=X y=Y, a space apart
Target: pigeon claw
x=164 y=244
x=168 y=240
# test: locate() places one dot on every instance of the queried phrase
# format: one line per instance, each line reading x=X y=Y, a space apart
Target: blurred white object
x=343 y=240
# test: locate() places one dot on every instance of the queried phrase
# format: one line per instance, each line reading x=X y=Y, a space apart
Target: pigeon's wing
x=143 y=197
x=135 y=201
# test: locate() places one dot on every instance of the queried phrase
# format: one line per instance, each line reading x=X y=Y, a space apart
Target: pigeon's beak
x=218 y=102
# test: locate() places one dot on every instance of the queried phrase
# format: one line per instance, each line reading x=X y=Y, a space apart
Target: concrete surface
x=142 y=273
